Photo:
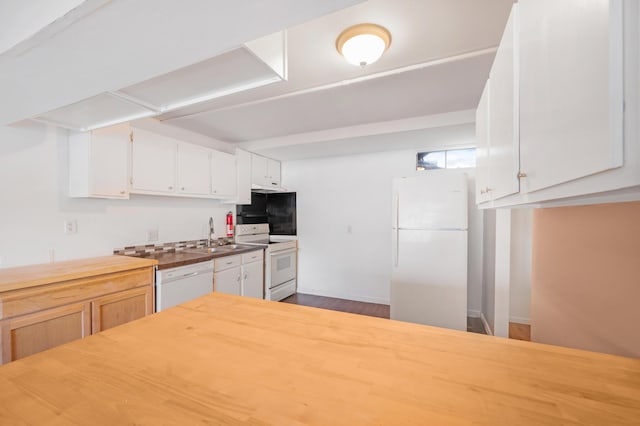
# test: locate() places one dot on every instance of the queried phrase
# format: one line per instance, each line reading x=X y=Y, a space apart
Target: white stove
x=280 y=259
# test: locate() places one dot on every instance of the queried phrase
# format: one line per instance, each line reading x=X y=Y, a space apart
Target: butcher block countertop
x=49 y=273
x=229 y=360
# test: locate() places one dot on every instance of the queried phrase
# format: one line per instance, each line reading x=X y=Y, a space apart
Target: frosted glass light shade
x=363 y=44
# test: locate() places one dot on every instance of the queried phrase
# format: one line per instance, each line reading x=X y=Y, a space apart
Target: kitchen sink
x=218 y=249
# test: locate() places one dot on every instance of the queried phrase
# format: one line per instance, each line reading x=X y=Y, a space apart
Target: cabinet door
x=253 y=280
x=259 y=170
x=26 y=335
x=243 y=163
x=109 y=162
x=570 y=90
x=503 y=116
x=119 y=308
x=482 y=146
x=273 y=172
x=153 y=159
x=193 y=169
x=223 y=175
x=227 y=281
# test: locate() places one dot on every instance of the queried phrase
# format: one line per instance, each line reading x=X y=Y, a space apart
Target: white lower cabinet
x=242 y=275
x=253 y=274
x=227 y=275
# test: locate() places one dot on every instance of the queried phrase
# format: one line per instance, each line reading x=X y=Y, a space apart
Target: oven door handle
x=278 y=253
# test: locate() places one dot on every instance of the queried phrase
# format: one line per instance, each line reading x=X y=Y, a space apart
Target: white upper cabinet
x=223 y=175
x=482 y=146
x=503 y=115
x=571 y=90
x=569 y=116
x=99 y=163
x=153 y=159
x=265 y=172
x=243 y=162
x=193 y=169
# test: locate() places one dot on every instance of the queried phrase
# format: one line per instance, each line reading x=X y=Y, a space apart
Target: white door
x=110 y=162
x=503 y=116
x=570 y=90
x=193 y=169
x=223 y=175
x=253 y=280
x=482 y=146
x=433 y=201
x=153 y=162
x=259 y=170
x=429 y=278
x=227 y=281
x=273 y=172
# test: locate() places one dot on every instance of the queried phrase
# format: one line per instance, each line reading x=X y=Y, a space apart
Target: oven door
x=283 y=266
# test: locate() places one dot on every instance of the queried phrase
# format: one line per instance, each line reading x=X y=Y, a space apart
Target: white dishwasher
x=184 y=283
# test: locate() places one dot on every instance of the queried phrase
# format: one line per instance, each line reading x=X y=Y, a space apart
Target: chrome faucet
x=210 y=239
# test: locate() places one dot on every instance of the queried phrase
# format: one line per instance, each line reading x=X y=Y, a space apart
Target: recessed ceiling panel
x=451 y=86
x=97 y=111
x=228 y=73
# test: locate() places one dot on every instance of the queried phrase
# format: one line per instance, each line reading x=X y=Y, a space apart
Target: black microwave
x=278 y=209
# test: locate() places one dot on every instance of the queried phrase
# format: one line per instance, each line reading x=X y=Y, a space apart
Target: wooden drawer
x=226 y=262
x=253 y=256
x=34 y=299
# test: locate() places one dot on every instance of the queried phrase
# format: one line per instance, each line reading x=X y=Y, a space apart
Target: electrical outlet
x=70 y=226
x=152 y=234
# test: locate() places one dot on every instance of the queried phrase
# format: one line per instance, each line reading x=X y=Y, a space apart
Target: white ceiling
x=438 y=62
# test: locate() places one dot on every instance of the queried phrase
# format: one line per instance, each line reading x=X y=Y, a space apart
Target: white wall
x=344 y=225
x=489 y=269
x=520 y=287
x=34 y=205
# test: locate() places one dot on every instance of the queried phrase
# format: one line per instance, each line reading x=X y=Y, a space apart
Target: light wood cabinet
x=64 y=301
x=120 y=308
x=29 y=334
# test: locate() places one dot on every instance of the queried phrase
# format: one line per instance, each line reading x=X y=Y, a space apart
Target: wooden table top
x=48 y=273
x=229 y=360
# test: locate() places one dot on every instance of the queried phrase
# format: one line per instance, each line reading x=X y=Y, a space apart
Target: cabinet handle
x=245 y=276
x=489 y=190
x=171 y=187
x=229 y=263
x=182 y=188
x=482 y=191
x=238 y=279
x=521 y=175
x=122 y=192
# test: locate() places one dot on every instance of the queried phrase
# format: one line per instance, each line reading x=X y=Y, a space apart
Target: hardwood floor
x=474 y=325
x=519 y=331
x=342 y=305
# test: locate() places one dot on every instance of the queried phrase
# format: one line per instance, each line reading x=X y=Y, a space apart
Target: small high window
x=448 y=159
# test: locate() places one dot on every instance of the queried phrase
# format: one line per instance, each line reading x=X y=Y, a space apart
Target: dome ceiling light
x=363 y=44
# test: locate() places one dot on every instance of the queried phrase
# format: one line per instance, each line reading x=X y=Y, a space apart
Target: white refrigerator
x=429 y=270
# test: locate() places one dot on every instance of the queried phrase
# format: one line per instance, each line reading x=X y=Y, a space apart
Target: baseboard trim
x=520 y=320
x=473 y=313
x=485 y=324
x=338 y=295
